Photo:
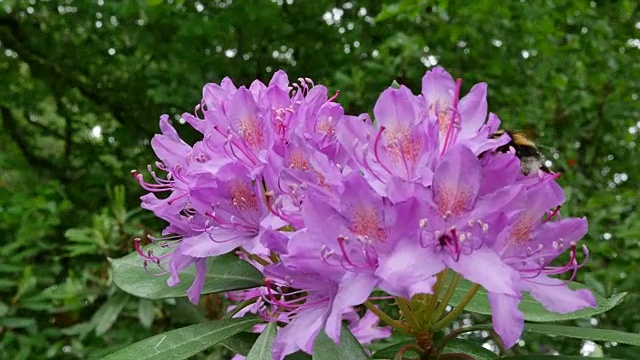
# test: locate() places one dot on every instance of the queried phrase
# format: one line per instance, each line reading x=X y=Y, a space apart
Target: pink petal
x=280 y=79
x=483 y=266
x=168 y=146
x=227 y=85
x=473 y=109
x=300 y=333
x=354 y=289
x=456 y=181
x=245 y=120
x=178 y=263
x=508 y=321
x=405 y=272
x=195 y=122
x=438 y=89
x=195 y=290
x=496 y=201
x=395 y=111
x=557 y=297
x=214 y=95
x=215 y=242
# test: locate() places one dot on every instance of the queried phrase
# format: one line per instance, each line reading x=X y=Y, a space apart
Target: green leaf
x=348 y=349
x=624 y=352
x=551 y=357
x=224 y=273
x=261 y=350
x=108 y=313
x=532 y=309
x=154 y=2
x=240 y=343
x=184 y=342
x=469 y=347
x=298 y=356
x=146 y=312
x=78 y=329
x=585 y=333
x=390 y=351
x=17 y=322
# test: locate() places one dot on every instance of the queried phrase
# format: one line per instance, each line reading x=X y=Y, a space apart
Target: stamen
x=268 y=197
x=404 y=161
x=171 y=201
x=367 y=166
x=341 y=242
x=334 y=96
x=375 y=150
x=146 y=256
x=151 y=187
x=452 y=243
x=450 y=138
x=552 y=214
x=572 y=265
x=456 y=244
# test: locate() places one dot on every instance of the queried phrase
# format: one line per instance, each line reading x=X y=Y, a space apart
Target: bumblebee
x=531 y=160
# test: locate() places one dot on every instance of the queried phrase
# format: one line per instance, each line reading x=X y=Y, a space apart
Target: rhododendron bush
x=334 y=233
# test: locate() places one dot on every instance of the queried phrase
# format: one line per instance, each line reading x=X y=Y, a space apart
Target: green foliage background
x=568 y=70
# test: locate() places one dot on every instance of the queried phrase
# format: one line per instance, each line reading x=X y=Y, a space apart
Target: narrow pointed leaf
x=532 y=309
x=184 y=342
x=585 y=333
x=390 y=351
x=146 y=312
x=551 y=357
x=104 y=318
x=261 y=350
x=240 y=343
x=348 y=349
x=471 y=348
x=224 y=273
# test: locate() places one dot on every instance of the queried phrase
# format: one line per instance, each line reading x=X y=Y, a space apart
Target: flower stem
x=408 y=313
x=255 y=257
x=444 y=302
x=458 y=309
x=400 y=354
x=433 y=299
x=454 y=334
x=239 y=307
x=386 y=318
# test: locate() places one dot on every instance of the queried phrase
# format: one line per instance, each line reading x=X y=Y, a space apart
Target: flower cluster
x=331 y=206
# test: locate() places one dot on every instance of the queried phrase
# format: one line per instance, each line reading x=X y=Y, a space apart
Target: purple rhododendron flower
x=397 y=154
x=456 y=222
x=528 y=244
x=459 y=120
x=330 y=206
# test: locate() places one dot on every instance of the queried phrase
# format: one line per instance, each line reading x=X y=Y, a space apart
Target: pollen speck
x=451 y=200
x=365 y=222
x=298 y=161
x=521 y=231
x=251 y=132
x=242 y=196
